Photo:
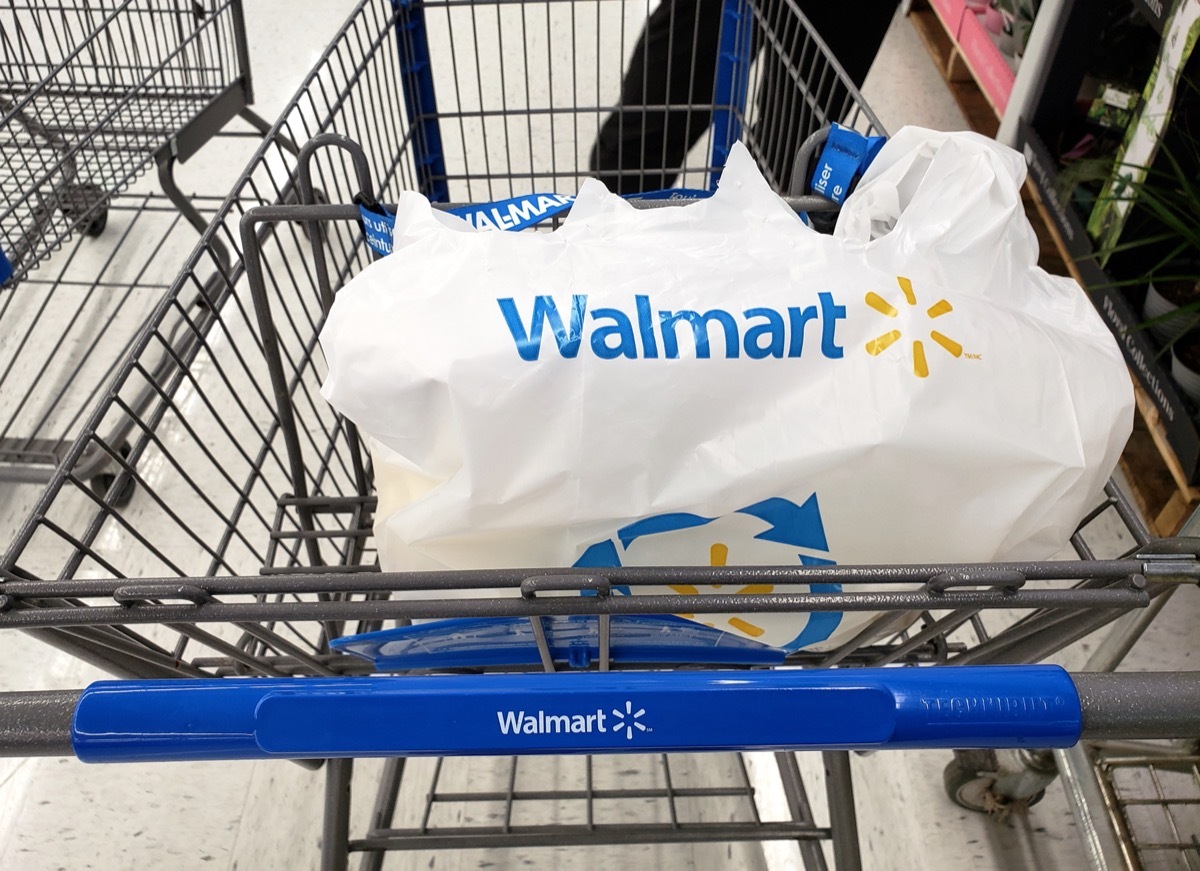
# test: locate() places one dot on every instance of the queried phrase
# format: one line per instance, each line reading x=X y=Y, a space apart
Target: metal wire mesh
x=589 y=800
x=218 y=492
x=90 y=91
x=1157 y=801
x=193 y=399
x=536 y=96
x=242 y=555
x=65 y=332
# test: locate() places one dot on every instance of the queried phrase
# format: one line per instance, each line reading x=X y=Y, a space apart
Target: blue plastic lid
x=573 y=640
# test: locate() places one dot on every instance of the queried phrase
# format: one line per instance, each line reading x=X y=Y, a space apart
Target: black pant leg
x=640 y=149
x=674 y=64
x=798 y=92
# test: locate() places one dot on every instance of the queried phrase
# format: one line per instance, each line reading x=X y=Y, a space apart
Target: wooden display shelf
x=1160 y=485
x=939 y=38
x=1157 y=480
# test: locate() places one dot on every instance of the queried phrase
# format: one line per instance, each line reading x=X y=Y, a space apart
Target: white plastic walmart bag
x=719 y=384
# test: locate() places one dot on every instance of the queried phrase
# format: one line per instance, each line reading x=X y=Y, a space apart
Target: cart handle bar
x=596 y=712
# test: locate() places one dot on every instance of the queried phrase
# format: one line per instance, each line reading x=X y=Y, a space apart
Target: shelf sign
x=1155 y=11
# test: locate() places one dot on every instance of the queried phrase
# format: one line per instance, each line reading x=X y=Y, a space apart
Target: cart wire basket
x=245 y=558
x=1136 y=803
x=93 y=95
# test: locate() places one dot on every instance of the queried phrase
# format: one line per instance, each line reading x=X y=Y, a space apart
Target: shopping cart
x=93 y=94
x=246 y=561
x=1136 y=803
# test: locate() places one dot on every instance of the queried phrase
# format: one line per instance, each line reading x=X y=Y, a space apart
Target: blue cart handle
x=502 y=714
x=969 y=707
x=594 y=712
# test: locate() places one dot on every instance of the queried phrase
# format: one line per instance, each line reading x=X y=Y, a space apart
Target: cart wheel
x=970 y=788
x=319 y=198
x=86 y=206
x=96 y=225
x=102 y=482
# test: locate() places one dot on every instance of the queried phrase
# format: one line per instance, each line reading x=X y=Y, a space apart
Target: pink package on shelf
x=991 y=70
x=951 y=12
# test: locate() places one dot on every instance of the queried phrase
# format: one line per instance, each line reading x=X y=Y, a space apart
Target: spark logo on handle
x=629 y=719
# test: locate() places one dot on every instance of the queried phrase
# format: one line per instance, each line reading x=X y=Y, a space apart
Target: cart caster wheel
x=319 y=198
x=86 y=206
x=96 y=225
x=970 y=788
x=102 y=482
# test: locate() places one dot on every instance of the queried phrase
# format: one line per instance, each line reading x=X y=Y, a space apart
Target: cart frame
x=94 y=98
x=248 y=547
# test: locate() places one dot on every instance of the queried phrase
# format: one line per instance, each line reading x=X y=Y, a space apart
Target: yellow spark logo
x=718 y=554
x=878 y=345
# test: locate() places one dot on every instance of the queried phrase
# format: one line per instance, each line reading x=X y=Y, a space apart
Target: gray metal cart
x=1136 y=803
x=93 y=95
x=246 y=555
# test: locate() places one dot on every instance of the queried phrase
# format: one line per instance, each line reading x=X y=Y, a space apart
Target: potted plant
x=1159 y=249
x=1163 y=252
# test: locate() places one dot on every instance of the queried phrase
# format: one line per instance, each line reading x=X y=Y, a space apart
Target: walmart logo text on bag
x=611 y=332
